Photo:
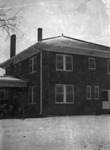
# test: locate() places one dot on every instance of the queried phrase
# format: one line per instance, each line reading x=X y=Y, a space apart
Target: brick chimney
x=13 y=45
x=39 y=34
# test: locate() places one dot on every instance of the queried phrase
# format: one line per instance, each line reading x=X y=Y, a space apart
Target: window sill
x=64 y=70
x=64 y=103
x=92 y=68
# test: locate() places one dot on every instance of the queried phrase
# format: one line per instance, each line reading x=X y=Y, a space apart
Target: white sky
x=83 y=19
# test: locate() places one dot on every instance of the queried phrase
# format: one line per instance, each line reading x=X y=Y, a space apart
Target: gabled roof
x=62 y=44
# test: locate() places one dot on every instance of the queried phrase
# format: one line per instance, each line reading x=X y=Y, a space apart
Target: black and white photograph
x=54 y=75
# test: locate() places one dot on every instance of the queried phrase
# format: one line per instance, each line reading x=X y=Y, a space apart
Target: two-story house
x=58 y=76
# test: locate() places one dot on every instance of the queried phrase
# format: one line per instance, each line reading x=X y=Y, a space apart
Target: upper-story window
x=32 y=64
x=64 y=62
x=64 y=93
x=91 y=63
x=108 y=66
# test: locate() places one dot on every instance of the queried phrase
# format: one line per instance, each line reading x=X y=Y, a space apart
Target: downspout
x=40 y=83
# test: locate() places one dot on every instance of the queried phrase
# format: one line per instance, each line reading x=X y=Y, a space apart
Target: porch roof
x=8 y=81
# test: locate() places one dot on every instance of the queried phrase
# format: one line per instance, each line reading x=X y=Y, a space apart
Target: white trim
x=64 y=62
x=64 y=94
x=41 y=84
x=33 y=71
x=95 y=91
x=91 y=58
x=88 y=86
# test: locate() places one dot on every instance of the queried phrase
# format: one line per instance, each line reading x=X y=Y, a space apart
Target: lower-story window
x=96 y=92
x=105 y=95
x=32 y=94
x=88 y=92
x=64 y=93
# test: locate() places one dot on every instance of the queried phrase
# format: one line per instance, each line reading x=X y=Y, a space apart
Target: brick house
x=59 y=76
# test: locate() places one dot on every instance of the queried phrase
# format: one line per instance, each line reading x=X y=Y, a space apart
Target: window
x=19 y=68
x=15 y=70
x=64 y=93
x=88 y=92
x=105 y=95
x=108 y=66
x=91 y=63
x=64 y=62
x=96 y=92
x=69 y=93
x=59 y=93
x=32 y=64
x=32 y=94
x=3 y=94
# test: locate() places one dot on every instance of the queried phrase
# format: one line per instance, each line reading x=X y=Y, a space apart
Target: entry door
x=106 y=99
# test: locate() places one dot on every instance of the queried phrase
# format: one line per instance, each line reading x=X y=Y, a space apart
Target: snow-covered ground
x=56 y=133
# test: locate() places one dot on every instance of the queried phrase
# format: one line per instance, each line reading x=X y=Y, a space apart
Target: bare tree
x=7 y=23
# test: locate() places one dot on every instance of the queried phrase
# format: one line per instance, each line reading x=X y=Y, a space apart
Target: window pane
x=105 y=95
x=15 y=70
x=59 y=93
x=91 y=63
x=69 y=98
x=69 y=89
x=69 y=93
x=35 y=63
x=59 y=58
x=96 y=92
x=59 y=88
x=59 y=98
x=69 y=62
x=59 y=61
x=30 y=65
x=19 y=67
x=68 y=59
x=60 y=66
x=88 y=92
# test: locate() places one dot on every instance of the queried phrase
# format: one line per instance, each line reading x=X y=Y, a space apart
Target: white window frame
x=108 y=61
x=33 y=63
x=89 y=65
x=95 y=91
x=64 y=94
x=32 y=98
x=64 y=62
x=88 y=86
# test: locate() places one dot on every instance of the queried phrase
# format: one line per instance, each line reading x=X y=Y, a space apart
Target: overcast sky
x=83 y=19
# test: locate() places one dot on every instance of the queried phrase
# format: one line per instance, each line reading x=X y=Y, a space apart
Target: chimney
x=39 y=34
x=12 y=45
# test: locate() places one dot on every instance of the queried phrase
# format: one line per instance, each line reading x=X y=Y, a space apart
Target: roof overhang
x=7 y=81
x=20 y=57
